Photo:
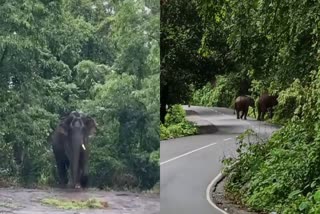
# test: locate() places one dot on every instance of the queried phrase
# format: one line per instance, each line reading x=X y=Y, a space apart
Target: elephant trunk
x=84 y=174
x=76 y=149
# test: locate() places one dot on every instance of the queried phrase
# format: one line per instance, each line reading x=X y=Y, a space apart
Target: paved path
x=188 y=165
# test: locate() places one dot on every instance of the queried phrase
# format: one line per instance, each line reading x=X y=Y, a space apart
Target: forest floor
x=30 y=201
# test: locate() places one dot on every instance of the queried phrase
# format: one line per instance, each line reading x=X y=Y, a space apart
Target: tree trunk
x=163 y=112
x=163 y=102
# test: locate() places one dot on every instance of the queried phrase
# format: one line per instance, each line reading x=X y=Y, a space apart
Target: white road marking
x=209 y=191
x=227 y=139
x=188 y=153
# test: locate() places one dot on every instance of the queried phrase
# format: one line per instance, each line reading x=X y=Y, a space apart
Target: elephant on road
x=265 y=104
x=242 y=104
x=71 y=150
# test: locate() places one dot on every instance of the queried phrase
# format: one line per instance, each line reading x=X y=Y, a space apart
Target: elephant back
x=243 y=99
x=267 y=100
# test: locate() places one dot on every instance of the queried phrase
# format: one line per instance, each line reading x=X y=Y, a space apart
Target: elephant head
x=76 y=129
x=266 y=103
x=274 y=100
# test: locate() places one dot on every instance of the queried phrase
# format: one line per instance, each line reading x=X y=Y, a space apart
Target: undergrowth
x=283 y=174
x=176 y=124
x=75 y=204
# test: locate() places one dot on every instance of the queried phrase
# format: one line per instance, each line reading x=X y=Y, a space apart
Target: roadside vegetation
x=254 y=47
x=176 y=124
x=70 y=204
x=282 y=175
x=98 y=57
x=220 y=93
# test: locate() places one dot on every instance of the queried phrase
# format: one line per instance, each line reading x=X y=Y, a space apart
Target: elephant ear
x=62 y=130
x=64 y=125
x=91 y=125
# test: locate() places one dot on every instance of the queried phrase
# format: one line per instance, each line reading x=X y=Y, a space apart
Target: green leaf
x=317 y=196
x=304 y=206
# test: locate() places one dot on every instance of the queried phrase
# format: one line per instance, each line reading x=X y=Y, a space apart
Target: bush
x=79 y=62
x=290 y=102
x=176 y=124
x=283 y=175
x=125 y=146
x=222 y=94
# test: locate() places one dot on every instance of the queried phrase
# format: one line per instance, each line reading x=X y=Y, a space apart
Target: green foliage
x=257 y=46
x=290 y=101
x=98 y=57
x=271 y=44
x=222 y=94
x=181 y=62
x=176 y=124
x=269 y=41
x=75 y=204
x=282 y=175
x=128 y=132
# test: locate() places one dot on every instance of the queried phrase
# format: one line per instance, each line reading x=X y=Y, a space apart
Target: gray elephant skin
x=71 y=150
x=265 y=104
x=242 y=104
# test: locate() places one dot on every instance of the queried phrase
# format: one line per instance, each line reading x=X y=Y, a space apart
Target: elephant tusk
x=84 y=148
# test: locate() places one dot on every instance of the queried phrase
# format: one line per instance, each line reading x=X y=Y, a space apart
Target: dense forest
x=217 y=50
x=99 y=57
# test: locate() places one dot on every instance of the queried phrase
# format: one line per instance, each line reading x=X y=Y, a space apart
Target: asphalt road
x=189 y=164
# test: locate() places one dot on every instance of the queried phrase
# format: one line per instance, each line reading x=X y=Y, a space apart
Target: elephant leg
x=84 y=178
x=270 y=113
x=245 y=113
x=262 y=115
x=62 y=164
x=261 y=112
x=238 y=112
x=62 y=171
x=84 y=169
x=242 y=114
x=75 y=170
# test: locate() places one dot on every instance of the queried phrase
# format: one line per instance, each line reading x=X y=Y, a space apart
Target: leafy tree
x=59 y=56
x=273 y=46
x=181 y=62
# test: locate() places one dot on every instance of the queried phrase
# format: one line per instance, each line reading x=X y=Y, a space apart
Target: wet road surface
x=28 y=201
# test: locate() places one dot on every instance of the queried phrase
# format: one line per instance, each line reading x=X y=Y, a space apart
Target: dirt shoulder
x=28 y=201
x=221 y=200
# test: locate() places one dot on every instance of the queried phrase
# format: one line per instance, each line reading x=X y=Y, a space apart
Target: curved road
x=188 y=165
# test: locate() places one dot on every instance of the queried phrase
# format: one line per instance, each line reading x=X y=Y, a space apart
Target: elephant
x=71 y=150
x=266 y=103
x=242 y=104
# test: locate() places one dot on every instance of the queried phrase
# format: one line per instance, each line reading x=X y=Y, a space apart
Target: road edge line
x=217 y=179
x=187 y=153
